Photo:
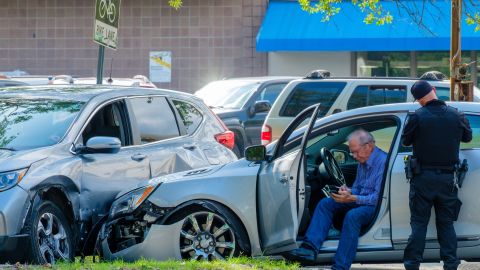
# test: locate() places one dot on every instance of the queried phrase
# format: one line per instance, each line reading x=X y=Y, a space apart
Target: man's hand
x=345 y=188
x=343 y=197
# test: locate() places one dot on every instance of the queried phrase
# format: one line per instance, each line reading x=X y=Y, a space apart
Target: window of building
x=154 y=118
x=383 y=64
x=309 y=93
x=191 y=116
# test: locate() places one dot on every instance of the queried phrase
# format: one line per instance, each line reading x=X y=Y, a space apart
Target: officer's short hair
x=362 y=136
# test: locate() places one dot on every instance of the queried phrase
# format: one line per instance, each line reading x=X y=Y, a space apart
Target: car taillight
x=226 y=138
x=266 y=135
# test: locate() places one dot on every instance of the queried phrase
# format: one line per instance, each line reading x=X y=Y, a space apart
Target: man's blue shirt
x=368 y=181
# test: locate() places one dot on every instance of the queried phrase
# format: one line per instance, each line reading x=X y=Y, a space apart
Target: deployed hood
x=224 y=170
x=14 y=160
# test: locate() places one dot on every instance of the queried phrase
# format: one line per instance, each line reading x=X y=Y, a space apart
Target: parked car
x=243 y=104
x=66 y=152
x=262 y=204
x=135 y=81
x=336 y=94
x=8 y=82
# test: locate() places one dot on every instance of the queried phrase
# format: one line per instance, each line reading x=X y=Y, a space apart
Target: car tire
x=209 y=234
x=50 y=235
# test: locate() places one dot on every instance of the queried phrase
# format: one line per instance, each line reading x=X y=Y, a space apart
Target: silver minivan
x=66 y=151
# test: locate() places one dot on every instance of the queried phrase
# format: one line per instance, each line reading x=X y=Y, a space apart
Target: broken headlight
x=130 y=201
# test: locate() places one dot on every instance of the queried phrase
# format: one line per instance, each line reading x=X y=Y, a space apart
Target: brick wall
x=209 y=39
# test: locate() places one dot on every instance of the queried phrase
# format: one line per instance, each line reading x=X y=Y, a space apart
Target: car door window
x=443 y=93
x=309 y=93
x=475 y=126
x=154 y=118
x=108 y=121
x=475 y=143
x=271 y=92
x=191 y=116
x=365 y=95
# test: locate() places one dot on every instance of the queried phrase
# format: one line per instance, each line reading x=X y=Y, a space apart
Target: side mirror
x=340 y=156
x=260 y=106
x=101 y=144
x=255 y=153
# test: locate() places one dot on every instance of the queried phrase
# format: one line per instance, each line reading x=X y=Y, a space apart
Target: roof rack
x=318 y=74
x=433 y=76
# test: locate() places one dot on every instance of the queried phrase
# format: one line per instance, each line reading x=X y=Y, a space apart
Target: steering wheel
x=331 y=166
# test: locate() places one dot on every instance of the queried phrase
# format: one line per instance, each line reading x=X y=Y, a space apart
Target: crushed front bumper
x=161 y=242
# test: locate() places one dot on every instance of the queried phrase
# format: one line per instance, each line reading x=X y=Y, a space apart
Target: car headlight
x=10 y=179
x=130 y=201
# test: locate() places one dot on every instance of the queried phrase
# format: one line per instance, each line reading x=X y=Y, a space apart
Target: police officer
x=435 y=130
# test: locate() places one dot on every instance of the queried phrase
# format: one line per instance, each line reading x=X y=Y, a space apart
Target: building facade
x=207 y=39
x=417 y=41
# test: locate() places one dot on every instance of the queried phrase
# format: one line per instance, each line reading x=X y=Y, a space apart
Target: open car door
x=281 y=187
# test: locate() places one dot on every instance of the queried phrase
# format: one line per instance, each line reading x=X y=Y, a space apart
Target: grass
x=243 y=263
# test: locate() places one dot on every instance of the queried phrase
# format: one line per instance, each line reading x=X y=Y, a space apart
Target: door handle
x=139 y=157
x=190 y=147
x=284 y=179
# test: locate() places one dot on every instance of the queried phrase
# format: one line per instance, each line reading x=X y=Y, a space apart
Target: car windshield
x=228 y=94
x=32 y=123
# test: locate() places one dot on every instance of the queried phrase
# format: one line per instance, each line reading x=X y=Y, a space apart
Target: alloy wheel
x=206 y=236
x=52 y=239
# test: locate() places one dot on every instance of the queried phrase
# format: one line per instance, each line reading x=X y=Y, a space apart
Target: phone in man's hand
x=329 y=189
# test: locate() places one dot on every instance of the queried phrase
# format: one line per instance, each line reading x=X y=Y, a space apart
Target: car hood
x=225 y=113
x=14 y=160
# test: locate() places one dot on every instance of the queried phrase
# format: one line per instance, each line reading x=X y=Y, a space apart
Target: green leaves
x=473 y=19
x=176 y=4
x=328 y=8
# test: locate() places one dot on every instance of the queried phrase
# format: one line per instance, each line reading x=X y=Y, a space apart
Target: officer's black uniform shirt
x=435 y=131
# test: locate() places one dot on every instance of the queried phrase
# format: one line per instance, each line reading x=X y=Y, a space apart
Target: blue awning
x=287 y=28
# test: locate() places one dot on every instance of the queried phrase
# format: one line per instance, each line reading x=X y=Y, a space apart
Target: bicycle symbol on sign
x=108 y=10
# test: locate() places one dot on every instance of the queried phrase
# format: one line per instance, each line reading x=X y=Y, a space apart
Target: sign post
x=105 y=30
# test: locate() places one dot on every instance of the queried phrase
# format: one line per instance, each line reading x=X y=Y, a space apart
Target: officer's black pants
x=432 y=188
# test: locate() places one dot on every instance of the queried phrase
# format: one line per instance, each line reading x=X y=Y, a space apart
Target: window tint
x=475 y=125
x=155 y=119
x=365 y=95
x=443 y=93
x=309 y=93
x=190 y=115
x=271 y=92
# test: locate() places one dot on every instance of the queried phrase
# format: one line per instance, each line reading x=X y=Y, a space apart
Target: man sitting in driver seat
x=359 y=203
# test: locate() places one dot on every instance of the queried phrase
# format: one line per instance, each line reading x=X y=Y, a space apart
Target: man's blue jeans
x=356 y=217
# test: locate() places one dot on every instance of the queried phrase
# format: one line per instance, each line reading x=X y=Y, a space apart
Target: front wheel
x=206 y=235
x=51 y=238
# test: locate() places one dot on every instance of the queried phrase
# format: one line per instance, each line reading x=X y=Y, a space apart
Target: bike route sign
x=105 y=26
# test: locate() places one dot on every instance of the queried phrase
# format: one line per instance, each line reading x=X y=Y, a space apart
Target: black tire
x=203 y=244
x=49 y=245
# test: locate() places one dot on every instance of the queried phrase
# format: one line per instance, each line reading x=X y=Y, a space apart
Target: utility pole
x=460 y=89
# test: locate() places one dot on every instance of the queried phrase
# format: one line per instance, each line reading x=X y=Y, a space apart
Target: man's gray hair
x=362 y=136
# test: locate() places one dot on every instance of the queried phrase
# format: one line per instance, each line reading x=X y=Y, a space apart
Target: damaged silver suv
x=66 y=151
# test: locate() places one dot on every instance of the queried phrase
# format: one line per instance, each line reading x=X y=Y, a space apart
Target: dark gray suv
x=65 y=153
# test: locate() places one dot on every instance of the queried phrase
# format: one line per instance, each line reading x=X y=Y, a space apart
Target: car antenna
x=110 y=80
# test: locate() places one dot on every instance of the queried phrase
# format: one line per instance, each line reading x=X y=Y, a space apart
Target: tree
x=375 y=13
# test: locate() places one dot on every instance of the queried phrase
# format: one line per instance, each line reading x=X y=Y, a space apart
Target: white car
x=337 y=94
x=262 y=204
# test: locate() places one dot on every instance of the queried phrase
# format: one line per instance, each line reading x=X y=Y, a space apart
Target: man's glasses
x=355 y=152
